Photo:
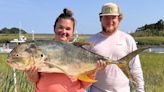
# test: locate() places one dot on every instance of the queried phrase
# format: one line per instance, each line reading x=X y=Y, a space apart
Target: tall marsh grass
x=153 y=71
x=150 y=40
x=7 y=79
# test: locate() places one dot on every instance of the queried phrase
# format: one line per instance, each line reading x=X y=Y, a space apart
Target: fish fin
x=126 y=71
x=85 y=78
x=131 y=55
x=32 y=45
x=80 y=44
x=53 y=65
x=123 y=63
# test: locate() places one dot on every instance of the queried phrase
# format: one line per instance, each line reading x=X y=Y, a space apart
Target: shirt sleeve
x=136 y=69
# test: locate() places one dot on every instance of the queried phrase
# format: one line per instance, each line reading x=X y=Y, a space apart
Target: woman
x=59 y=82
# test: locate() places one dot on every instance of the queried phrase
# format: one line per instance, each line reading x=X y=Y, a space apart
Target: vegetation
x=141 y=41
x=155 y=29
x=6 y=38
x=159 y=41
x=150 y=40
x=7 y=79
x=153 y=71
x=11 y=31
x=149 y=34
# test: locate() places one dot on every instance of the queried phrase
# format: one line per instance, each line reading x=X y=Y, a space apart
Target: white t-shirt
x=116 y=46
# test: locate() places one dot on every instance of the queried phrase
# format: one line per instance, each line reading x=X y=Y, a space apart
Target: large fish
x=53 y=56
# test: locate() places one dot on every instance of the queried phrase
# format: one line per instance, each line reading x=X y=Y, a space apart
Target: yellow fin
x=85 y=78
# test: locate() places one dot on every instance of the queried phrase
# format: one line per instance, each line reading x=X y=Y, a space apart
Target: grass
x=153 y=40
x=7 y=79
x=152 y=65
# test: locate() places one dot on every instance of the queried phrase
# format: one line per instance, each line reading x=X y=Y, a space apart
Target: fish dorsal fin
x=80 y=44
x=32 y=45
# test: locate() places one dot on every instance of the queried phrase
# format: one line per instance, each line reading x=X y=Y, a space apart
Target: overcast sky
x=39 y=15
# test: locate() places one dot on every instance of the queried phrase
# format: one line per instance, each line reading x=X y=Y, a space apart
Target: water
x=156 y=50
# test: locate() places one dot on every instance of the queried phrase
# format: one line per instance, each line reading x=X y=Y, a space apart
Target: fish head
x=18 y=57
x=25 y=55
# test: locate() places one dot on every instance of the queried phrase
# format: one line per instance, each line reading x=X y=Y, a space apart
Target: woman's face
x=64 y=30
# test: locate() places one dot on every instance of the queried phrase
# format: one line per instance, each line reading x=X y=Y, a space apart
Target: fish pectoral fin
x=80 y=44
x=85 y=78
x=51 y=65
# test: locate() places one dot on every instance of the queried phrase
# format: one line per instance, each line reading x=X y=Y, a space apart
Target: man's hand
x=100 y=65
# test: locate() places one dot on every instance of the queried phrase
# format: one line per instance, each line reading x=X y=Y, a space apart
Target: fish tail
x=131 y=55
x=123 y=63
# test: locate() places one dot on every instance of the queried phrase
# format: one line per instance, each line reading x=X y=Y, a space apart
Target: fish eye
x=41 y=55
x=17 y=55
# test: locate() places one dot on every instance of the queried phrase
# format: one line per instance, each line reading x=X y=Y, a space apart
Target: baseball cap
x=110 y=9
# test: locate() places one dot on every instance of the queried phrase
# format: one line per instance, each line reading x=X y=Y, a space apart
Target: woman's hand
x=32 y=73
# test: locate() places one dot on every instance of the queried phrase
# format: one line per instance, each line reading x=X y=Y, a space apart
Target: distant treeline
x=13 y=30
x=155 y=29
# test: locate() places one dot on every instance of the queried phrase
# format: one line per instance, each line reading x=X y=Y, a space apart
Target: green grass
x=152 y=65
x=3 y=58
x=7 y=79
x=8 y=37
x=153 y=40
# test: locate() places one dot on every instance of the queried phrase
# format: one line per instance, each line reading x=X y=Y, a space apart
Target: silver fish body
x=54 y=56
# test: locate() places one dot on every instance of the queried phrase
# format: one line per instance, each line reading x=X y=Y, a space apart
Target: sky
x=38 y=16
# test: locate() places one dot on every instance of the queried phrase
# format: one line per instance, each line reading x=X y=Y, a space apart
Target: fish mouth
x=11 y=63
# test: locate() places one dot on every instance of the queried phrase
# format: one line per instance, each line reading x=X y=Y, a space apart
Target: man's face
x=64 y=30
x=109 y=23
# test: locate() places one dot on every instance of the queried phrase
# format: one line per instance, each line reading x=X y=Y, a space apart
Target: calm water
x=156 y=50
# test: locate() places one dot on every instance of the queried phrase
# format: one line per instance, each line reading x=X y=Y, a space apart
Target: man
x=115 y=44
